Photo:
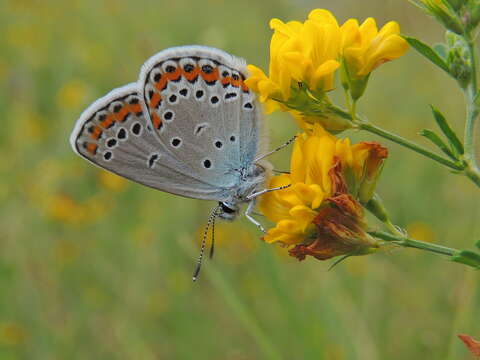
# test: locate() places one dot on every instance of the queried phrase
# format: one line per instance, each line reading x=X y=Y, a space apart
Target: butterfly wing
x=114 y=133
x=202 y=111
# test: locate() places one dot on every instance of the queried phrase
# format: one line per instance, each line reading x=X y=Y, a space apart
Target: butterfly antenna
x=212 y=245
x=211 y=219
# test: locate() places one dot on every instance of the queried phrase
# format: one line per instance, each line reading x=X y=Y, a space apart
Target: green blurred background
x=94 y=267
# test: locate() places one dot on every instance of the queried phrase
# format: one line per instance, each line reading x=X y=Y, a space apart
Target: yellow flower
x=305 y=56
x=320 y=213
x=364 y=48
x=301 y=55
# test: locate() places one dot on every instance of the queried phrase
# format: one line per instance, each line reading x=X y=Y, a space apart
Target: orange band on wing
x=157 y=122
x=155 y=100
x=175 y=75
x=92 y=148
x=211 y=77
x=96 y=133
x=190 y=76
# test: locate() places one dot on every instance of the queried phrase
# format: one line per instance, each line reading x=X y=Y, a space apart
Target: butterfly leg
x=264 y=191
x=248 y=215
x=275 y=150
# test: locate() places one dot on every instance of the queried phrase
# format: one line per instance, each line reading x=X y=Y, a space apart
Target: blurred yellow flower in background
x=72 y=94
x=12 y=334
x=112 y=181
x=320 y=212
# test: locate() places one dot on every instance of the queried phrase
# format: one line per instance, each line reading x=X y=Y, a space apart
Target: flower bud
x=458 y=58
x=443 y=14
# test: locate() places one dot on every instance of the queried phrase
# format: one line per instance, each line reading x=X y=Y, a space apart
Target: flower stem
x=408 y=242
x=367 y=126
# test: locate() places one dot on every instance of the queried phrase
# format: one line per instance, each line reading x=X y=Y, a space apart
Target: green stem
x=367 y=126
x=412 y=243
x=472 y=116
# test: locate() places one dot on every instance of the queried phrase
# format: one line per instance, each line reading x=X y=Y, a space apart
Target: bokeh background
x=95 y=267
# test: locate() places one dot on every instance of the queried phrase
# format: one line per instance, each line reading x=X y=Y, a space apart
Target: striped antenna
x=211 y=220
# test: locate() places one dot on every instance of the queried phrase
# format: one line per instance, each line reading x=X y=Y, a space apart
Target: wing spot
x=184 y=92
x=170 y=69
x=207 y=164
x=168 y=115
x=172 y=99
x=232 y=138
x=214 y=99
x=199 y=94
x=134 y=101
x=136 y=128
x=122 y=134
x=201 y=128
x=117 y=108
x=188 y=68
x=152 y=160
x=107 y=156
x=111 y=143
x=230 y=95
x=248 y=105
x=176 y=142
x=218 y=144
x=207 y=69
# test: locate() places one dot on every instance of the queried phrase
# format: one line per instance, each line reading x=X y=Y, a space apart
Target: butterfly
x=189 y=126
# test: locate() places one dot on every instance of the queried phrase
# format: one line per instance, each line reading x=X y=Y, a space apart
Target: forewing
x=202 y=111
x=114 y=133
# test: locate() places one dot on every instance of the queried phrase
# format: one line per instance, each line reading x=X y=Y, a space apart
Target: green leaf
x=428 y=52
x=434 y=138
x=447 y=130
x=477 y=244
x=467 y=257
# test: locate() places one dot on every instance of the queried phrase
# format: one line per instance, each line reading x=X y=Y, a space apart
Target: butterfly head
x=227 y=210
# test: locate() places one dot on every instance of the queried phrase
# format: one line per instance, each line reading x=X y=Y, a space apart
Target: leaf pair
x=453 y=147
